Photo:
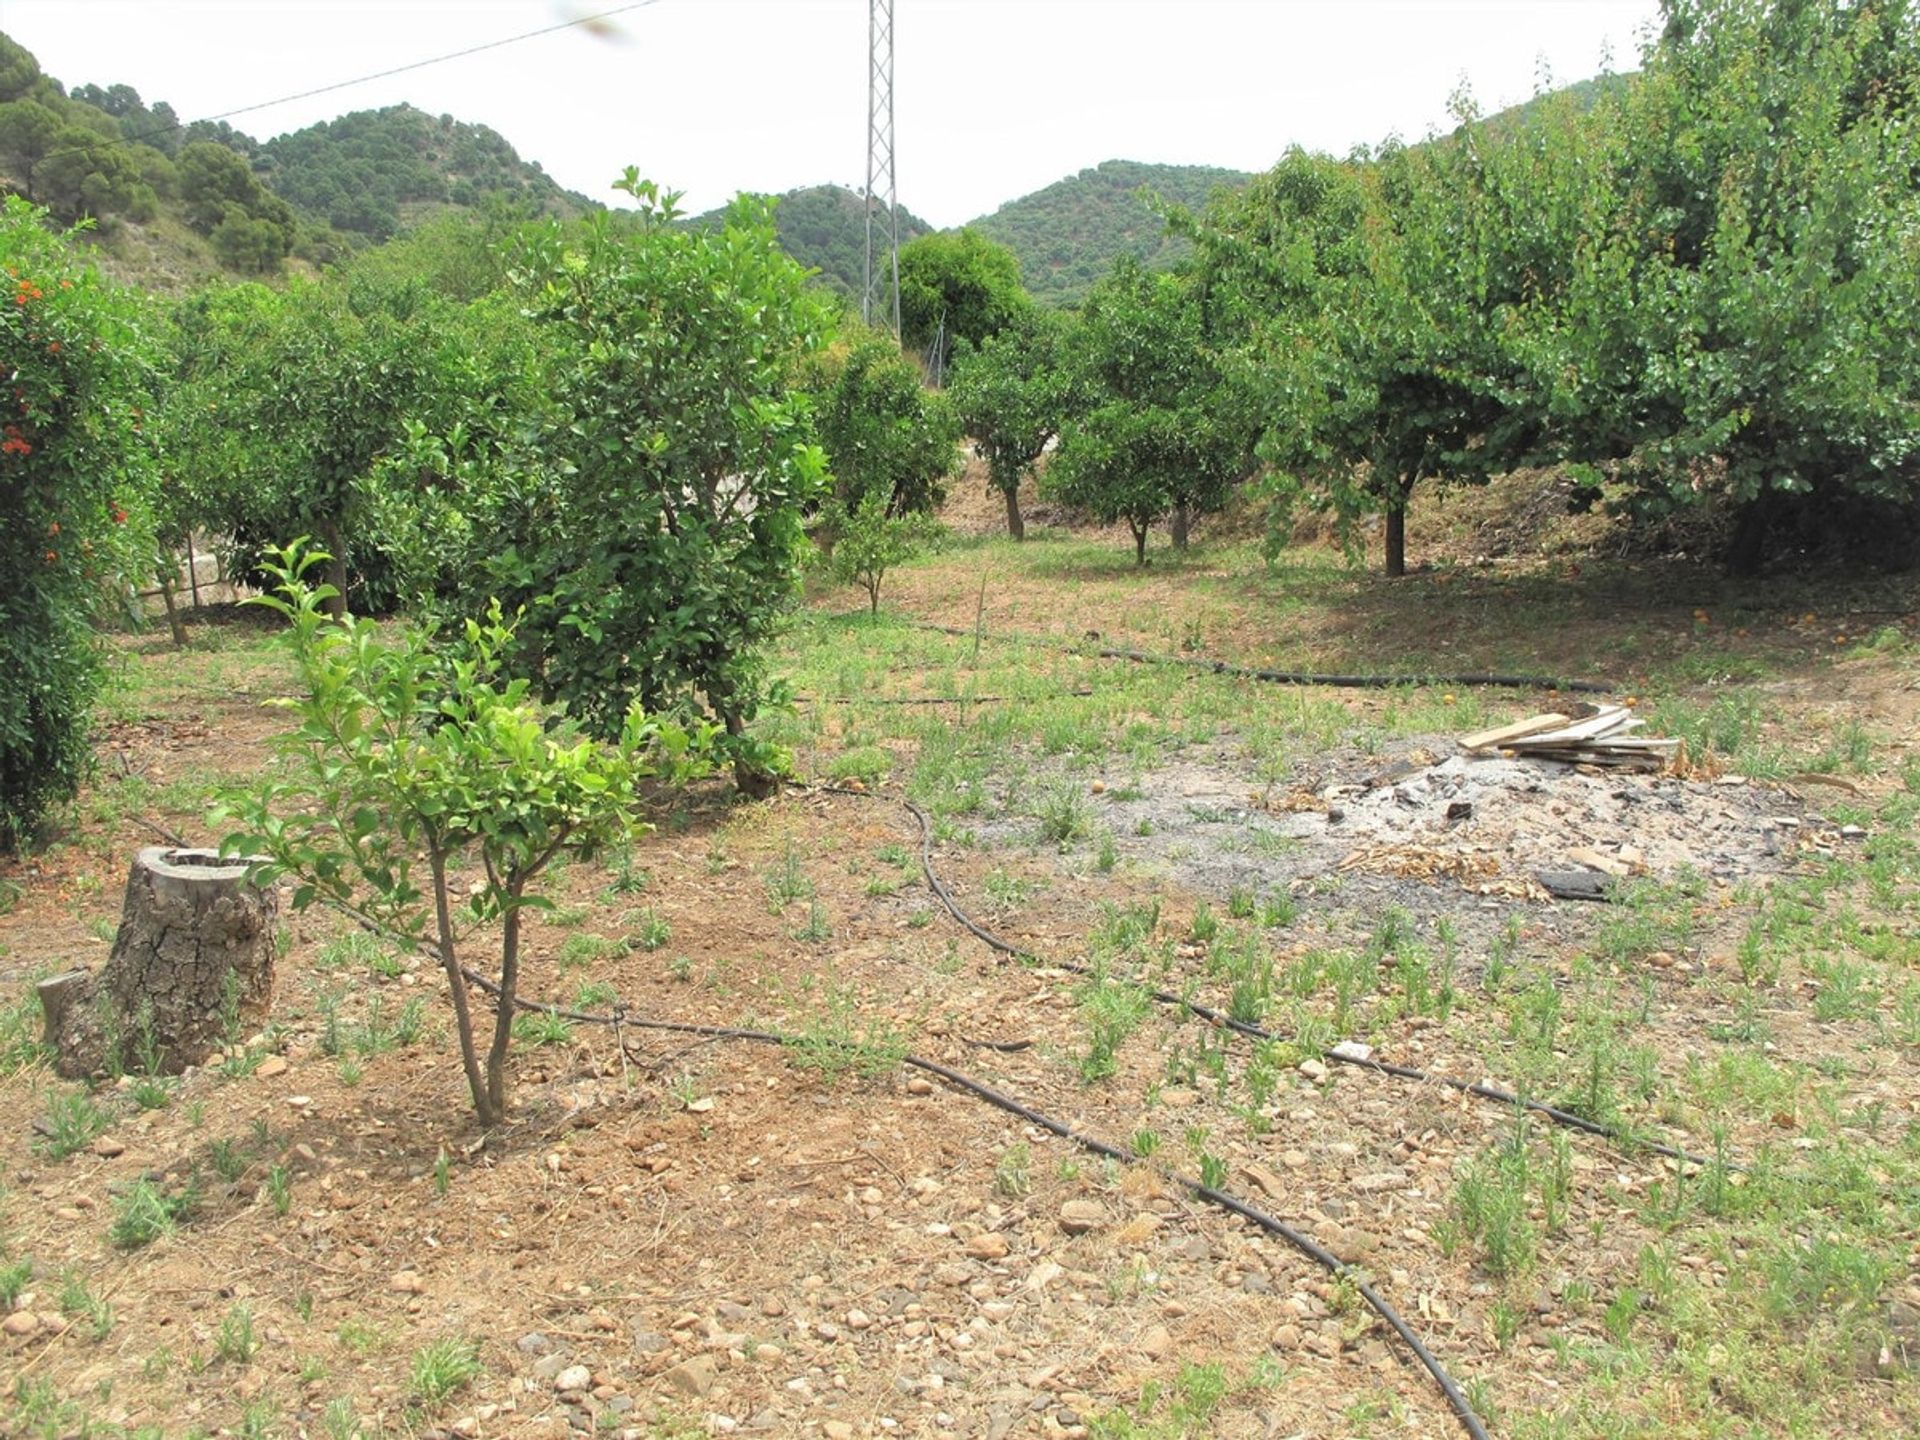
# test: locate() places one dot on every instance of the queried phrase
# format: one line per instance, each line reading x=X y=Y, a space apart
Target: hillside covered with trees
x=182 y=200
x=1069 y=234
x=824 y=227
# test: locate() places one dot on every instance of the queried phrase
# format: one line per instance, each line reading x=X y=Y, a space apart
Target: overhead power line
x=135 y=139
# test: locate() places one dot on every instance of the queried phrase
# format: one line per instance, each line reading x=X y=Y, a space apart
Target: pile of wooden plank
x=1580 y=735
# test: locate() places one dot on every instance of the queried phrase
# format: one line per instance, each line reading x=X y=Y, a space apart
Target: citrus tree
x=420 y=754
x=1012 y=393
x=1159 y=429
x=650 y=516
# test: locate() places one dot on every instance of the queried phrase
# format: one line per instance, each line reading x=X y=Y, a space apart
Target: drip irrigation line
x=999 y=1099
x=1285 y=677
x=925 y=699
x=1479 y=1088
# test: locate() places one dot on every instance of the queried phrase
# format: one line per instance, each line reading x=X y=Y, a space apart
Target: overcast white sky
x=994 y=98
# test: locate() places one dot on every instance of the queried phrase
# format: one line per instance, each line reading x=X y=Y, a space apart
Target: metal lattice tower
x=880 y=170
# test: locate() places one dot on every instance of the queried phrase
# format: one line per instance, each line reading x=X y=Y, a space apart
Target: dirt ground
x=681 y=1236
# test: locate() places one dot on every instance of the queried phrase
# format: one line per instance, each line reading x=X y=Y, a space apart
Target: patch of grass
x=788 y=882
x=581 y=949
x=71 y=1123
x=542 y=1027
x=1064 y=815
x=817 y=930
x=235 y=1342
x=146 y=1211
x=441 y=1370
x=840 y=1039
x=93 y=1315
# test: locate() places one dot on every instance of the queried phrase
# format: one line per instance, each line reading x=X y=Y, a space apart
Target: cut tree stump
x=192 y=963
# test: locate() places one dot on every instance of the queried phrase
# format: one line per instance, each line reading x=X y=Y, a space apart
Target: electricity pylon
x=886 y=236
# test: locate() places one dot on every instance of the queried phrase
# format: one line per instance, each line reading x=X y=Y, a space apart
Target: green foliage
x=1072 y=232
x=869 y=542
x=648 y=514
x=145 y=1211
x=888 y=438
x=359 y=171
x=1370 y=327
x=442 y=1368
x=77 y=477
x=961 y=285
x=412 y=754
x=224 y=199
x=1741 y=324
x=1158 y=427
x=1012 y=392
x=824 y=227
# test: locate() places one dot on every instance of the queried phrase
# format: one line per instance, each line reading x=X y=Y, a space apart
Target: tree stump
x=191 y=965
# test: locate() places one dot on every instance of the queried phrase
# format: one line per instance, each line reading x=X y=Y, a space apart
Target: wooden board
x=1519 y=729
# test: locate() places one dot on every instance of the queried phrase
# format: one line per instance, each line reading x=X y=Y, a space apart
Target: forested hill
x=368 y=172
x=824 y=227
x=175 y=203
x=1068 y=234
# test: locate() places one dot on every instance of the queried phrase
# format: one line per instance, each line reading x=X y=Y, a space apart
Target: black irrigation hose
x=1212 y=1016
x=1305 y=1244
x=920 y=699
x=1290 y=677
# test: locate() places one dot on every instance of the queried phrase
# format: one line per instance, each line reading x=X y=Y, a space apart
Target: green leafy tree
x=1743 y=328
x=420 y=753
x=1160 y=430
x=650 y=517
x=76 y=482
x=958 y=284
x=886 y=435
x=870 y=540
x=1012 y=392
x=331 y=386
x=1366 y=295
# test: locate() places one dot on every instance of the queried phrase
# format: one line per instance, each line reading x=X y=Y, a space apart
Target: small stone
x=837 y=1430
x=918 y=1085
x=106 y=1147
x=299 y=1102
x=21 y=1322
x=1314 y=1070
x=1077 y=1217
x=859 y=1320
x=1157 y=1343
x=693 y=1377
x=406 y=1282
x=533 y=1343
x=271 y=1066
x=988 y=1245
x=573 y=1378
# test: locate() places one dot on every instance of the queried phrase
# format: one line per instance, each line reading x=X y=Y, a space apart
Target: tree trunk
x=503 y=1016
x=1182 y=518
x=192 y=964
x=1747 y=547
x=1139 y=543
x=336 y=548
x=1397 y=537
x=193 y=571
x=174 y=622
x=477 y=1087
x=753 y=781
x=1016 y=527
